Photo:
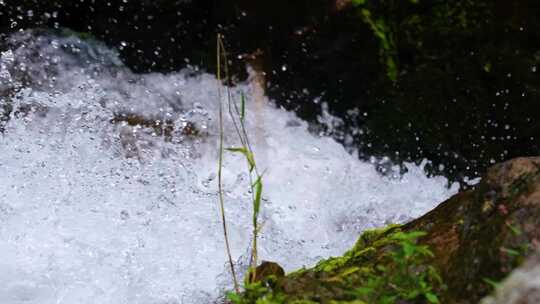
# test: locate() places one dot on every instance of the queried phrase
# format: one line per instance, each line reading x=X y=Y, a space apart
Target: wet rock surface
x=477 y=237
x=481 y=235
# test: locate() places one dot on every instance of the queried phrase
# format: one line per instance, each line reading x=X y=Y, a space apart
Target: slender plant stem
x=220 y=180
x=240 y=128
x=241 y=131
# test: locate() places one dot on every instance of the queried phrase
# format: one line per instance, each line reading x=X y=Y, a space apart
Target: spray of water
x=108 y=188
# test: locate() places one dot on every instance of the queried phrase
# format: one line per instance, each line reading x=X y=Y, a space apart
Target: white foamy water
x=94 y=210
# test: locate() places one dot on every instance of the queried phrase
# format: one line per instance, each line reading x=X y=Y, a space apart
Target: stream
x=108 y=187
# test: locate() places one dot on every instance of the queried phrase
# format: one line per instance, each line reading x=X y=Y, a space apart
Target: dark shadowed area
x=466 y=87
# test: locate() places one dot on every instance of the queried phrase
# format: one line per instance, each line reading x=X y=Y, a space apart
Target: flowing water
x=108 y=189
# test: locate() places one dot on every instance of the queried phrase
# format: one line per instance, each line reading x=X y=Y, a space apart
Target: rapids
x=108 y=188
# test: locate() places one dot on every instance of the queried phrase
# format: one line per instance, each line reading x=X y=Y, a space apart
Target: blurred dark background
x=466 y=87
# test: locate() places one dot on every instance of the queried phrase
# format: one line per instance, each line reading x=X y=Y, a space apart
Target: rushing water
x=97 y=209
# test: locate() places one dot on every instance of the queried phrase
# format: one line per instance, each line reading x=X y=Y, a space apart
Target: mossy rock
x=334 y=280
x=481 y=235
x=477 y=237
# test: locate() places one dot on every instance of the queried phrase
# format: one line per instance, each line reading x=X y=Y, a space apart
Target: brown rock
x=265 y=270
x=477 y=237
x=482 y=234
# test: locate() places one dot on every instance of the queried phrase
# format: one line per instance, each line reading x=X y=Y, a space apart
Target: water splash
x=108 y=182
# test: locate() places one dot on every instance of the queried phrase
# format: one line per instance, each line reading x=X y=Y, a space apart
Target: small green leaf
x=367 y=14
x=412 y=294
x=249 y=156
x=234 y=297
x=388 y=299
x=364 y=290
x=511 y=252
x=432 y=298
x=349 y=271
x=239 y=150
x=408 y=249
x=409 y=237
x=243 y=107
x=258 y=196
x=358 y=2
x=434 y=274
x=515 y=229
x=492 y=283
x=251 y=161
x=424 y=251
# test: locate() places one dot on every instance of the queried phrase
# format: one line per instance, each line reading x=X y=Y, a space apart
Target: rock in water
x=265 y=270
x=477 y=237
x=481 y=235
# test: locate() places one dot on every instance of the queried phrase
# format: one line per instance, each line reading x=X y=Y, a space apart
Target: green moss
x=365 y=248
x=384 y=264
x=384 y=29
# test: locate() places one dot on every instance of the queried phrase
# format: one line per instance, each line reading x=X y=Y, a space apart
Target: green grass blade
x=247 y=154
x=492 y=283
x=239 y=150
x=258 y=195
x=243 y=107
